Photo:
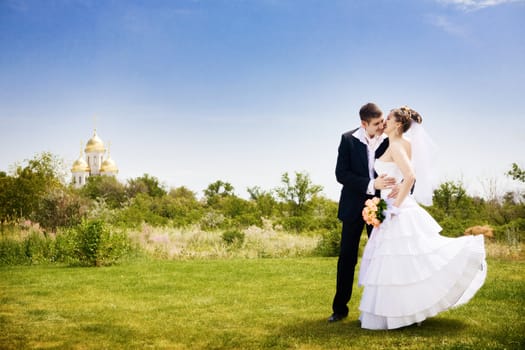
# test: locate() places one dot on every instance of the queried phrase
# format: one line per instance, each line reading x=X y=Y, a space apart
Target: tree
x=454 y=209
x=8 y=209
x=145 y=184
x=516 y=173
x=225 y=209
x=450 y=196
x=237 y=212
x=264 y=201
x=107 y=188
x=50 y=167
x=142 y=208
x=22 y=192
x=325 y=213
x=217 y=190
x=181 y=206
x=183 y=193
x=61 y=208
x=296 y=203
x=297 y=193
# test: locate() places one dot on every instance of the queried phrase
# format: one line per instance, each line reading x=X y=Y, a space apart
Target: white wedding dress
x=410 y=272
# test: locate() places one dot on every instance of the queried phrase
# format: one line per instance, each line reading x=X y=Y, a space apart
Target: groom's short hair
x=370 y=111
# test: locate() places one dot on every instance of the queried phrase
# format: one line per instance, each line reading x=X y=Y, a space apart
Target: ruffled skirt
x=410 y=272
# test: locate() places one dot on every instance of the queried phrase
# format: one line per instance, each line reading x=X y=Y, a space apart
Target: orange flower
x=373 y=211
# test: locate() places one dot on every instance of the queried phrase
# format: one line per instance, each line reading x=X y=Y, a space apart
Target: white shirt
x=371 y=146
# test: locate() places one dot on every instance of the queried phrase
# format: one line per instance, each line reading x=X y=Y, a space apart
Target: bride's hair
x=406 y=115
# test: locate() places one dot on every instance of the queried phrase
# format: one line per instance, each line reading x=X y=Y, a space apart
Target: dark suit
x=352 y=172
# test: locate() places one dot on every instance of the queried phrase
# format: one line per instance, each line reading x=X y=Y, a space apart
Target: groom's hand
x=383 y=181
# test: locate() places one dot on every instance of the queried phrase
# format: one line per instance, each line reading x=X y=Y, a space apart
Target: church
x=92 y=162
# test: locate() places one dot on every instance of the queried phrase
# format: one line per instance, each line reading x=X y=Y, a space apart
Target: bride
x=409 y=271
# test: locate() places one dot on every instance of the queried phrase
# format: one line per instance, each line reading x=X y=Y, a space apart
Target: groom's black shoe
x=336 y=317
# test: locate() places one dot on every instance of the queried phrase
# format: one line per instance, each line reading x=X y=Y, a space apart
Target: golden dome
x=80 y=165
x=109 y=166
x=95 y=144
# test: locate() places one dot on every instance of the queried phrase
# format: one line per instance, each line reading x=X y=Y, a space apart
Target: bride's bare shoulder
x=401 y=146
x=408 y=147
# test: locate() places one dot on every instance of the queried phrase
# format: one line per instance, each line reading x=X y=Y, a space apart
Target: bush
x=60 y=208
x=34 y=248
x=65 y=245
x=514 y=230
x=12 y=252
x=329 y=244
x=142 y=209
x=297 y=223
x=233 y=238
x=454 y=227
x=39 y=248
x=212 y=220
x=93 y=244
x=89 y=237
x=114 y=246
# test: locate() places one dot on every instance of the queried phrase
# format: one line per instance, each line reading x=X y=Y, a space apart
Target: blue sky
x=243 y=91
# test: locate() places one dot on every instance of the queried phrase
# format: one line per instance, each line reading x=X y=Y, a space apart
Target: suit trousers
x=350 y=237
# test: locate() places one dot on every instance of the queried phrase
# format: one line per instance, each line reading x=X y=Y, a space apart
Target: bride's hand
x=394 y=192
x=383 y=182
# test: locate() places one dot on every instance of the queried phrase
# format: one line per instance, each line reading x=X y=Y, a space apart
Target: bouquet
x=374 y=211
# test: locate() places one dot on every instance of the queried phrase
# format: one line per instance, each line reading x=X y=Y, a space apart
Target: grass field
x=233 y=304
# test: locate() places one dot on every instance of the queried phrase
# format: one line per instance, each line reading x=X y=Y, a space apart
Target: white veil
x=424 y=157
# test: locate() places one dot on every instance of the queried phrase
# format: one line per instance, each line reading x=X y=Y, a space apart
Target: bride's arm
x=400 y=156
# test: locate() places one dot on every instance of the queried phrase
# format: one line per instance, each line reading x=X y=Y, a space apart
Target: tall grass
x=232 y=304
x=174 y=243
x=109 y=245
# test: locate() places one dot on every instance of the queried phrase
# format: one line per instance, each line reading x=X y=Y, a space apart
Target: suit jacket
x=352 y=172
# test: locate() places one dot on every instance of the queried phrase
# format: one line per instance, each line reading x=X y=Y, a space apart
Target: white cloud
x=449 y=27
x=477 y=4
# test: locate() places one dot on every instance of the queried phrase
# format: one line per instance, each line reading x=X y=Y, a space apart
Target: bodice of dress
x=389 y=168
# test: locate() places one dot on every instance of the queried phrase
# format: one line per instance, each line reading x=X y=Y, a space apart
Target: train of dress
x=410 y=272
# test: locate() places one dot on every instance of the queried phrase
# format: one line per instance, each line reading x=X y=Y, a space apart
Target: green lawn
x=233 y=304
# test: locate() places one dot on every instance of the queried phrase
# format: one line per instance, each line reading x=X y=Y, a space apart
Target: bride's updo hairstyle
x=406 y=115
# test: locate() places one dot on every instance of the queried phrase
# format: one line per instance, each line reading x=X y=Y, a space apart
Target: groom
x=355 y=171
